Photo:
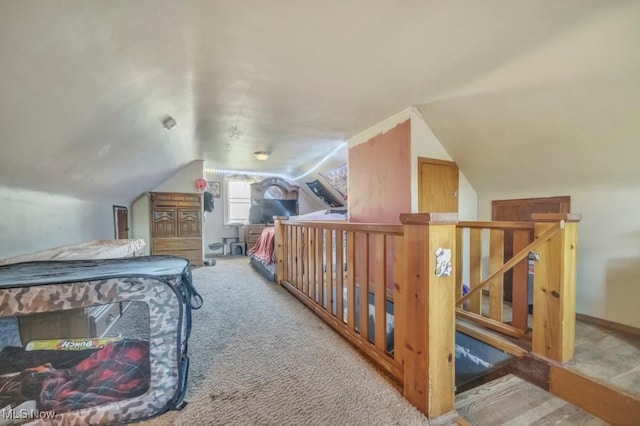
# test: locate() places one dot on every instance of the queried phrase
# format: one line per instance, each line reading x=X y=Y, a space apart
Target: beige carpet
x=259 y=357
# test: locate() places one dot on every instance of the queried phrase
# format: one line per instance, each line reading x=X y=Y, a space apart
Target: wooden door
x=521 y=210
x=121 y=222
x=437 y=186
x=163 y=222
x=189 y=222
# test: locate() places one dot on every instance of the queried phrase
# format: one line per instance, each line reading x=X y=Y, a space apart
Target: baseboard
x=615 y=326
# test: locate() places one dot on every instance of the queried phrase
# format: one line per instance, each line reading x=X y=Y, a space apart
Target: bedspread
x=264 y=249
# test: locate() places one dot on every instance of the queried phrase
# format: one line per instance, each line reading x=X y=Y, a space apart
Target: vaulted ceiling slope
x=506 y=85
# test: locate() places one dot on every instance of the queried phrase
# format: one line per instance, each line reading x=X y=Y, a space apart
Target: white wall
x=425 y=144
x=140 y=221
x=182 y=181
x=608 y=248
x=33 y=221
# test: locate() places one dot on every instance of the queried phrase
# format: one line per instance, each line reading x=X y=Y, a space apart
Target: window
x=238 y=202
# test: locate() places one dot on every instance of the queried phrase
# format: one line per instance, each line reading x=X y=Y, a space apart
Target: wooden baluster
x=329 y=272
x=398 y=278
x=554 y=296
x=380 y=275
x=459 y=264
x=520 y=280
x=319 y=287
x=351 y=280
x=294 y=265
x=299 y=256
x=311 y=255
x=281 y=249
x=475 y=274
x=339 y=274
x=290 y=253
x=496 y=288
x=426 y=304
x=362 y=259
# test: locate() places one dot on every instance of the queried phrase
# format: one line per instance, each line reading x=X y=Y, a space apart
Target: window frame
x=227 y=201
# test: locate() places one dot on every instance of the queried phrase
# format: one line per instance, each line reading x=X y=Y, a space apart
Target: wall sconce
x=262 y=155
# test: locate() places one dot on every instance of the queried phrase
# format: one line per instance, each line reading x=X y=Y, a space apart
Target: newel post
x=280 y=247
x=426 y=309
x=554 y=287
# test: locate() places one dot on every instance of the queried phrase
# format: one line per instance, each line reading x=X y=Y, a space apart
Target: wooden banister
x=495 y=225
x=518 y=257
x=370 y=228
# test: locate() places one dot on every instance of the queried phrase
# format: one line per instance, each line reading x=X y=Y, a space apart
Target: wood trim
x=381 y=359
x=609 y=404
x=372 y=228
x=556 y=217
x=492 y=324
x=429 y=218
x=611 y=325
x=424 y=160
x=564 y=200
x=495 y=225
x=494 y=340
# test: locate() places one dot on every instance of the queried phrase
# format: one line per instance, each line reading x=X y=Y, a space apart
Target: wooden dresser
x=252 y=234
x=176 y=225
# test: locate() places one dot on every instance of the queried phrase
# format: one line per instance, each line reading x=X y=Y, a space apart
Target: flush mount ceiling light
x=262 y=155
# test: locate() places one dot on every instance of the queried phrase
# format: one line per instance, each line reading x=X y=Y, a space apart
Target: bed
x=262 y=254
x=95 y=249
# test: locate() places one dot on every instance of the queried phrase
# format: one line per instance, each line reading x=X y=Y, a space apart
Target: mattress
x=95 y=249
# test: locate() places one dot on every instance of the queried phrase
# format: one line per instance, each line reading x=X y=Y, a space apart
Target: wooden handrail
x=517 y=258
x=496 y=225
x=373 y=228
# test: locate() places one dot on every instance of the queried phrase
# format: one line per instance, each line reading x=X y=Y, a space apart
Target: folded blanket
x=118 y=371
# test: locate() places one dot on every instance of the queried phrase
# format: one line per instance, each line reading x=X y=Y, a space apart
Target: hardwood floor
x=510 y=400
x=609 y=356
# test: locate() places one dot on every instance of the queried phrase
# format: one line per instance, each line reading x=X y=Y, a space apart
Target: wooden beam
x=426 y=304
x=496 y=225
x=520 y=282
x=281 y=249
x=492 y=324
x=554 y=295
x=475 y=274
x=496 y=288
x=492 y=339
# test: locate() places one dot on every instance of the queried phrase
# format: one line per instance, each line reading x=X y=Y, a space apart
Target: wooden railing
x=552 y=239
x=331 y=265
x=339 y=269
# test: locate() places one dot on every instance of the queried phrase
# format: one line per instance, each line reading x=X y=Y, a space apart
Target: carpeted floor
x=259 y=357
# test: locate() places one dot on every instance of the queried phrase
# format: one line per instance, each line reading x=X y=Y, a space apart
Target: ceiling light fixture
x=262 y=155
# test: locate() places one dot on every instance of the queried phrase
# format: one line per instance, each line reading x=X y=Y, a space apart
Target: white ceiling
x=505 y=85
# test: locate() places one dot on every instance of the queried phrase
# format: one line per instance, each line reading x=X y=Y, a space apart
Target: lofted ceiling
x=505 y=85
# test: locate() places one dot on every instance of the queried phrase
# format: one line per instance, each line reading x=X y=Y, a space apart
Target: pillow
x=317 y=215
